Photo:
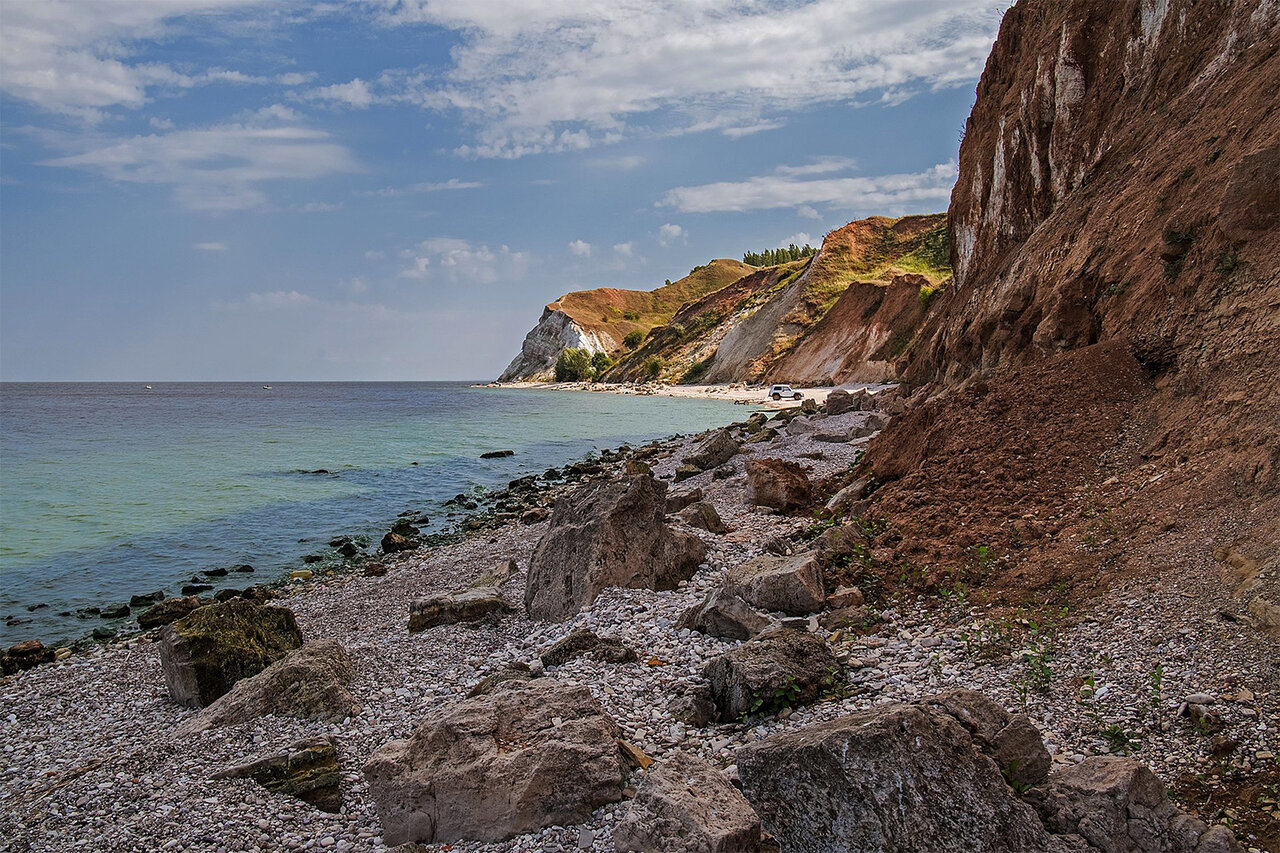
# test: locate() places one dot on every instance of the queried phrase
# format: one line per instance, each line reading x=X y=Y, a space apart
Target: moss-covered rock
x=307 y=769
x=207 y=652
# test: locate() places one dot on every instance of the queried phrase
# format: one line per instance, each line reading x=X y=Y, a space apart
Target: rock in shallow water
x=526 y=756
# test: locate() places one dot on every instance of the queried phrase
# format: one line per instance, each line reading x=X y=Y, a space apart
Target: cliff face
x=555 y=331
x=818 y=321
x=1119 y=178
x=1100 y=385
x=599 y=320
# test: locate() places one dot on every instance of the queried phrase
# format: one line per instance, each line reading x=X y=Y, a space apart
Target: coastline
x=286 y=479
x=96 y=760
x=737 y=392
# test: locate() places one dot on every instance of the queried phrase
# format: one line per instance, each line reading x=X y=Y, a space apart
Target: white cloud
x=277 y=299
x=319 y=207
x=215 y=168
x=820 y=166
x=751 y=129
x=804 y=211
x=799 y=238
x=570 y=74
x=375 y=255
x=355 y=94
x=669 y=233
x=581 y=248
x=442 y=186
x=210 y=247
x=160 y=123
x=74 y=57
x=626 y=250
x=459 y=261
x=929 y=189
x=624 y=163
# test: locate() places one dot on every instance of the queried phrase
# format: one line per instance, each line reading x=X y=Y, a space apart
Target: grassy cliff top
x=616 y=312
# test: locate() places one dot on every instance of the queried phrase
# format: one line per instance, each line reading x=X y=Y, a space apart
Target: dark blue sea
x=108 y=489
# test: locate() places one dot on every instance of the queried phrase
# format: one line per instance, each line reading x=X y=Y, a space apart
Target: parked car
x=778 y=392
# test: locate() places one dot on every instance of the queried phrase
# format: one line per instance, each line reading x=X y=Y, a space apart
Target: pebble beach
x=90 y=759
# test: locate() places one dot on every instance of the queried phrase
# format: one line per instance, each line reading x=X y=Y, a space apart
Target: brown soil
x=1249 y=800
x=1009 y=484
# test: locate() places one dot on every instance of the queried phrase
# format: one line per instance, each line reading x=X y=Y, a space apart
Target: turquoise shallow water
x=110 y=489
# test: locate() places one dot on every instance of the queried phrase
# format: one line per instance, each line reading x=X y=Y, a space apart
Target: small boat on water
x=146 y=387
x=266 y=387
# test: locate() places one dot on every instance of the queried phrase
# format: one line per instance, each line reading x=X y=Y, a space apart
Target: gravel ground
x=89 y=761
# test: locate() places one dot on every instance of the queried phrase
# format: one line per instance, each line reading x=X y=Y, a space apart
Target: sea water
x=107 y=490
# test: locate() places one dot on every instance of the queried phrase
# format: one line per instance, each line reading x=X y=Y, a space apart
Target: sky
x=392 y=189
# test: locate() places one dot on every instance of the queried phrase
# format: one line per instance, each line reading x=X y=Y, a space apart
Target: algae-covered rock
x=308 y=683
x=166 y=611
x=207 y=652
x=307 y=769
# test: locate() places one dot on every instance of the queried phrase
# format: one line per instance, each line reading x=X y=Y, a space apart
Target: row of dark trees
x=773 y=257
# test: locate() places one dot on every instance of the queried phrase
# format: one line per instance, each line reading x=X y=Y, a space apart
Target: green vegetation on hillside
x=887 y=253
x=579 y=365
x=773 y=257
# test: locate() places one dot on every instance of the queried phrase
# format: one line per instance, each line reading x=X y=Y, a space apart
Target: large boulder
x=685 y=804
x=307 y=769
x=584 y=642
x=792 y=584
x=899 y=777
x=677 y=502
x=395 y=542
x=204 y=654
x=1011 y=740
x=714 y=452
x=779 y=484
x=1118 y=805
x=307 y=683
x=781 y=669
x=723 y=614
x=469 y=605
x=605 y=534
x=704 y=516
x=842 y=501
x=25 y=655
x=527 y=755
x=170 y=610
x=840 y=401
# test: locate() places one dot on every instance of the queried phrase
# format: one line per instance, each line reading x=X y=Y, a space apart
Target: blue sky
x=391 y=189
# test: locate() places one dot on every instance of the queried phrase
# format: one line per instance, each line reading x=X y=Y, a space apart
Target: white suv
x=777 y=392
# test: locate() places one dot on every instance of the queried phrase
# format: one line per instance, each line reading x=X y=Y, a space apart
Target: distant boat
x=266 y=387
x=146 y=387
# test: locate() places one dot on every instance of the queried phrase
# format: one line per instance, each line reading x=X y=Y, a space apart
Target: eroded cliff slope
x=599 y=320
x=1100 y=395
x=841 y=316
